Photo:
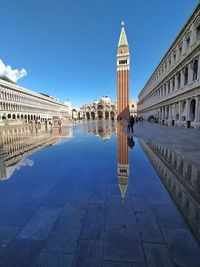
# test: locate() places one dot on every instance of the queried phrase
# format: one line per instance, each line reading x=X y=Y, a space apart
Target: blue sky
x=68 y=47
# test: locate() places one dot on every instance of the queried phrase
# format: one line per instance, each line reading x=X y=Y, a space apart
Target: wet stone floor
x=88 y=195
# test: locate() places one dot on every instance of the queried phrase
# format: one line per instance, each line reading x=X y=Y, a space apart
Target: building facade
x=20 y=104
x=172 y=93
x=102 y=109
x=123 y=64
x=99 y=109
x=133 y=108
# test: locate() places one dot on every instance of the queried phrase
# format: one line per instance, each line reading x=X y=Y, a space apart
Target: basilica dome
x=106 y=99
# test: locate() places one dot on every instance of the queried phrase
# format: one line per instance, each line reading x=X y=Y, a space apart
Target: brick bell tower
x=123 y=63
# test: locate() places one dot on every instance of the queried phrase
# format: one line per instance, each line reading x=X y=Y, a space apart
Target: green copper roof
x=123 y=188
x=123 y=40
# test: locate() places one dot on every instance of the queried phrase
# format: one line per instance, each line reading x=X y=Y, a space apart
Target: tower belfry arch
x=123 y=66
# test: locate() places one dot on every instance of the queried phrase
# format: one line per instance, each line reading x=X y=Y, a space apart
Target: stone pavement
x=73 y=215
x=180 y=139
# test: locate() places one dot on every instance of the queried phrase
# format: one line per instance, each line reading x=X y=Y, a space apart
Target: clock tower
x=123 y=63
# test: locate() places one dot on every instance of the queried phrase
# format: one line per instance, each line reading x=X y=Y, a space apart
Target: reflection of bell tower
x=123 y=160
x=123 y=63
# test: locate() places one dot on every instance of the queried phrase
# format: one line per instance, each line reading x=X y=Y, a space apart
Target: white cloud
x=13 y=75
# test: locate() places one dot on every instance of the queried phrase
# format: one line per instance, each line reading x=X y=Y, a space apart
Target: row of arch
x=9 y=95
x=182 y=111
x=99 y=115
x=28 y=117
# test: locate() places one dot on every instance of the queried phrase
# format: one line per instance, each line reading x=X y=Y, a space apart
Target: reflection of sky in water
x=82 y=162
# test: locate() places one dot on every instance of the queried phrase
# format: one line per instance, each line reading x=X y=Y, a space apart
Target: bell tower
x=123 y=63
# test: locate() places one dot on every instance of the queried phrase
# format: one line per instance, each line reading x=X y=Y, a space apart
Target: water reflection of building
x=104 y=129
x=181 y=178
x=16 y=144
x=123 y=160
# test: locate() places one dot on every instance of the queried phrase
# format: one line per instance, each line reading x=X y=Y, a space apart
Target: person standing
x=132 y=122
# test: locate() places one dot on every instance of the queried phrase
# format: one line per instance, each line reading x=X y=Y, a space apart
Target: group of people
x=56 y=122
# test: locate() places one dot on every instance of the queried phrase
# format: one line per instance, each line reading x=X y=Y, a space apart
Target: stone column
x=182 y=79
x=188 y=120
x=170 y=115
x=163 y=115
x=196 y=119
x=190 y=79
x=166 y=113
x=179 y=111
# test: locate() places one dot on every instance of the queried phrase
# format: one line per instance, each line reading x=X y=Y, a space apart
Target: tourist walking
x=132 y=122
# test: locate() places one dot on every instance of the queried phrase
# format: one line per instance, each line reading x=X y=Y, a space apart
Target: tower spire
x=123 y=64
x=123 y=40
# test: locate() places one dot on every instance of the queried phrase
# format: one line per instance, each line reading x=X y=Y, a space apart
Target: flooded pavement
x=89 y=195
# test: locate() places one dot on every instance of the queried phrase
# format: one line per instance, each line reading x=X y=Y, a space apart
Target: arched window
x=186 y=76
x=195 y=70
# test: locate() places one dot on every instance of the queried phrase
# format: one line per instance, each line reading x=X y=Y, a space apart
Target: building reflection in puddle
x=123 y=160
x=102 y=128
x=181 y=178
x=17 y=143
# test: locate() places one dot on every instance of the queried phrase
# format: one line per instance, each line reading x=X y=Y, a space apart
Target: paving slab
x=46 y=259
x=169 y=216
x=67 y=229
x=157 y=255
x=182 y=247
x=19 y=216
x=93 y=222
x=19 y=253
x=7 y=233
x=148 y=228
x=89 y=253
x=119 y=211
x=123 y=244
x=40 y=224
x=123 y=264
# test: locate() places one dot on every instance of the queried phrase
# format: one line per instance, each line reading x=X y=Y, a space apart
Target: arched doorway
x=13 y=117
x=192 y=109
x=100 y=111
x=93 y=115
x=107 y=115
x=112 y=115
x=100 y=114
x=87 y=115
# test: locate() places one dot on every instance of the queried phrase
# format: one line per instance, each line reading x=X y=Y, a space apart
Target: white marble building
x=102 y=109
x=18 y=104
x=99 y=109
x=172 y=93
